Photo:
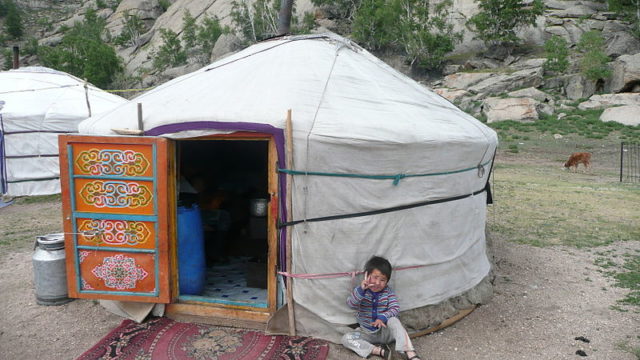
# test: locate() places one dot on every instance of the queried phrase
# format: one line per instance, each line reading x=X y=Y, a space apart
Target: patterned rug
x=163 y=338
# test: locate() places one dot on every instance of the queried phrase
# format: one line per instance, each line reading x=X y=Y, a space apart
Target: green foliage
x=629 y=10
x=31 y=46
x=13 y=20
x=164 y=4
x=83 y=53
x=630 y=279
x=425 y=33
x=416 y=27
x=3 y=9
x=258 y=22
x=557 y=54
x=342 y=9
x=593 y=64
x=374 y=22
x=7 y=59
x=132 y=28
x=498 y=20
x=170 y=52
x=189 y=29
x=207 y=34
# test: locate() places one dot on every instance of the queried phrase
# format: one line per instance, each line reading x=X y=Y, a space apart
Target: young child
x=377 y=311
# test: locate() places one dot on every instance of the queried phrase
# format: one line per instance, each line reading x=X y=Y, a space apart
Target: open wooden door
x=115 y=209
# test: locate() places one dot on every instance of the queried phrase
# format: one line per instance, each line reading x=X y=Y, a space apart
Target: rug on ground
x=163 y=338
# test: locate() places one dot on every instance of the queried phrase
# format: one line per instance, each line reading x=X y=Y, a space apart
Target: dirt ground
x=544 y=299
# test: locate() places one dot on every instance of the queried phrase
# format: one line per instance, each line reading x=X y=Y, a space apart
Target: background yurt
x=372 y=163
x=37 y=105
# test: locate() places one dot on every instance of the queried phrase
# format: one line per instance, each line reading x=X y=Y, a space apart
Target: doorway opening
x=223 y=244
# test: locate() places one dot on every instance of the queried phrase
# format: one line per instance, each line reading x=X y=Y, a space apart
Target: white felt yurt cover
x=38 y=104
x=386 y=140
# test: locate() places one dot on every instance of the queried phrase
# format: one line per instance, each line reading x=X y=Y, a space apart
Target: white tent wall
x=357 y=118
x=39 y=104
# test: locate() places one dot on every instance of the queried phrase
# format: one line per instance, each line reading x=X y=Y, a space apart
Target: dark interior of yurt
x=222 y=221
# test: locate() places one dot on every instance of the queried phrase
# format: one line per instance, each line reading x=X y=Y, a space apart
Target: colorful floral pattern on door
x=113 y=185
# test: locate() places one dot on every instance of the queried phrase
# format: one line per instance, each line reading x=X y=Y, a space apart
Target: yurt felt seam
x=381 y=211
x=36 y=179
x=39 y=89
x=396 y=178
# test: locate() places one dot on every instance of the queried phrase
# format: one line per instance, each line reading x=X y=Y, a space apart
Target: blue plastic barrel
x=191 y=255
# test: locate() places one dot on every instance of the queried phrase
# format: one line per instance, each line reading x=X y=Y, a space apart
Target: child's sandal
x=414 y=357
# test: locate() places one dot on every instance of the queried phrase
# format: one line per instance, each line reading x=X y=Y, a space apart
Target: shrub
x=260 y=21
x=557 y=54
x=189 y=29
x=593 y=64
x=83 y=53
x=416 y=27
x=13 y=20
x=132 y=29
x=170 y=52
x=498 y=20
x=628 y=9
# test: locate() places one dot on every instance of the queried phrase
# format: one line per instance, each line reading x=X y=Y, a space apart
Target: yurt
x=36 y=105
x=251 y=192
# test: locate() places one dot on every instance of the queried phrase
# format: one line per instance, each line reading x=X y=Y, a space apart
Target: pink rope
x=340 y=274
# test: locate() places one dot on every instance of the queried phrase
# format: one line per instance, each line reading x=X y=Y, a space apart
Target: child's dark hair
x=381 y=264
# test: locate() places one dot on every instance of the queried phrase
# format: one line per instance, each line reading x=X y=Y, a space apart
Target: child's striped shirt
x=371 y=306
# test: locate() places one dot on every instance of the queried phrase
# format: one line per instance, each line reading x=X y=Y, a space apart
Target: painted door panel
x=114 y=192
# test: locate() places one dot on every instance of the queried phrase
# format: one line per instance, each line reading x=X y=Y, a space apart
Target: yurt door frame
x=220 y=313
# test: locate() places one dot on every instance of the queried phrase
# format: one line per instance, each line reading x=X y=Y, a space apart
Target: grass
x=27 y=218
x=544 y=206
x=624 y=346
x=539 y=204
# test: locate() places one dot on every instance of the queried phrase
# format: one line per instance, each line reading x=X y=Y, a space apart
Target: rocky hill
x=493 y=88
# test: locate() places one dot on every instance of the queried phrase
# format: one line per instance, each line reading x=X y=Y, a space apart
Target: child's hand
x=365 y=284
x=378 y=323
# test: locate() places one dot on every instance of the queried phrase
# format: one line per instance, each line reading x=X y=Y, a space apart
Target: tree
x=13 y=20
x=416 y=27
x=557 y=54
x=426 y=35
x=132 y=29
x=189 y=29
x=630 y=10
x=170 y=52
x=593 y=64
x=83 y=53
x=498 y=20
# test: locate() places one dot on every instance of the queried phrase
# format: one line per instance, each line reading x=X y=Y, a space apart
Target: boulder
x=226 y=44
x=578 y=87
x=505 y=82
x=451 y=95
x=609 y=100
x=532 y=93
x=626 y=73
x=627 y=115
x=620 y=43
x=518 y=109
x=576 y=11
x=464 y=80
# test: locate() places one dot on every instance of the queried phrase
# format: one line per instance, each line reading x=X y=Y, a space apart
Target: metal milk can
x=49 y=270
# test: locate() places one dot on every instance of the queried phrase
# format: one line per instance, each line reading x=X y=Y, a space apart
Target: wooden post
x=16 y=58
x=289 y=177
x=86 y=96
x=140 y=125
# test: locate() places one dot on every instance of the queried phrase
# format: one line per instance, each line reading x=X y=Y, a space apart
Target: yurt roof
x=330 y=84
x=49 y=98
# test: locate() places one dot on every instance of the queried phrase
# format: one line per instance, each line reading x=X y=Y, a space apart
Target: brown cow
x=578 y=158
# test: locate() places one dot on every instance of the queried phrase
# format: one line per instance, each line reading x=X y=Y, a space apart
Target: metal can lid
x=51 y=241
